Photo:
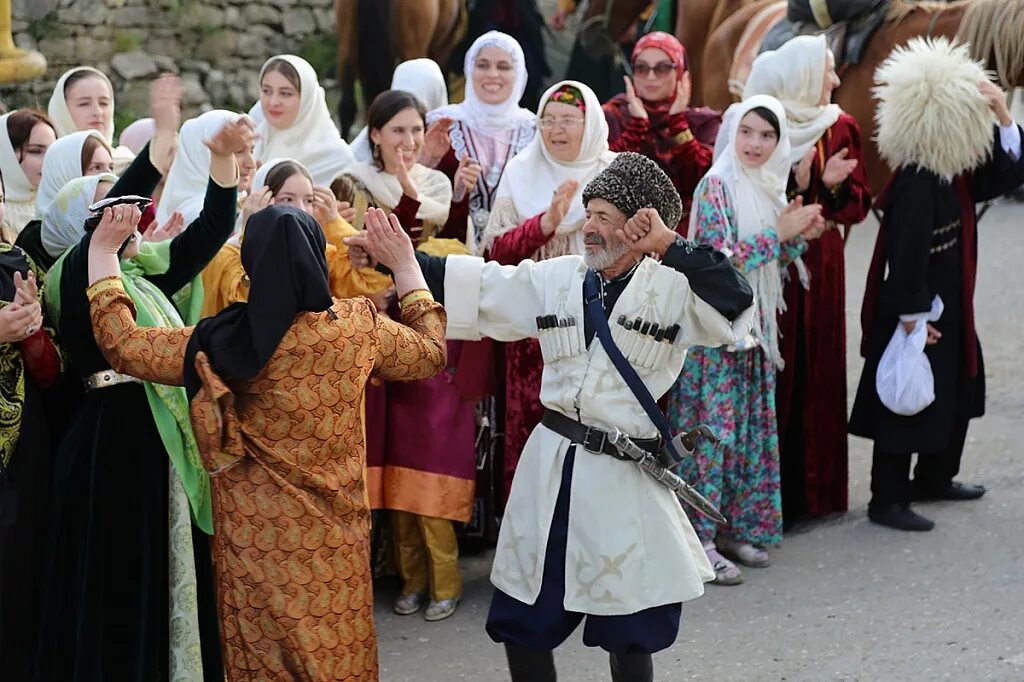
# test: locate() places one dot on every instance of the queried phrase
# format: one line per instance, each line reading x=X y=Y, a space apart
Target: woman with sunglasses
x=654 y=116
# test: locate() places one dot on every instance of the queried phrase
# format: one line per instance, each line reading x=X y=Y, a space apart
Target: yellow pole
x=16 y=65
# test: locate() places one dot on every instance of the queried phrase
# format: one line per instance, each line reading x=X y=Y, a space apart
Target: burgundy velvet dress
x=810 y=396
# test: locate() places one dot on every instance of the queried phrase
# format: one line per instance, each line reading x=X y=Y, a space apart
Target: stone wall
x=217 y=46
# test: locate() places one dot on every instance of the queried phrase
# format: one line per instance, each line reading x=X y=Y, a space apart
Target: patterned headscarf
x=568 y=94
x=667 y=44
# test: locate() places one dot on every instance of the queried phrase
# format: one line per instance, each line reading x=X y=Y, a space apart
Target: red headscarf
x=667 y=44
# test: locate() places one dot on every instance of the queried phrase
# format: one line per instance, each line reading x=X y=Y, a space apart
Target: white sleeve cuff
x=462 y=279
x=1009 y=139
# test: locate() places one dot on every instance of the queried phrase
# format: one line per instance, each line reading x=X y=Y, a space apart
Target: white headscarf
x=137 y=134
x=758 y=196
x=534 y=174
x=433 y=187
x=185 y=188
x=20 y=195
x=312 y=138
x=490 y=119
x=794 y=74
x=61 y=115
x=64 y=219
x=61 y=165
x=420 y=77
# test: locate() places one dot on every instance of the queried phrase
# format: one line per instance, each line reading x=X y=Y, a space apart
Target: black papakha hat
x=631 y=182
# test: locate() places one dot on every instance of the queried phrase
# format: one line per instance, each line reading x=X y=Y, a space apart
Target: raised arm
x=154 y=354
x=346 y=280
x=194 y=248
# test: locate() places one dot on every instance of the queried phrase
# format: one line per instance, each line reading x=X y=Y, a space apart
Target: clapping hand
x=797 y=219
x=387 y=242
x=402 y=173
x=684 y=88
x=803 y=170
x=174 y=226
x=325 y=206
x=347 y=212
x=165 y=95
x=838 y=168
x=466 y=176
x=560 y=204
x=436 y=142
x=634 y=103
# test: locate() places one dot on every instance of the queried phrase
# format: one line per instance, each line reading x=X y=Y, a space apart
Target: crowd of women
x=137 y=542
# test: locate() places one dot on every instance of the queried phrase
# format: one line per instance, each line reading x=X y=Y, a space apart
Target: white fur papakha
x=930 y=112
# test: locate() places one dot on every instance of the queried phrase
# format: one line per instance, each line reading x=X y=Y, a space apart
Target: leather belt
x=108 y=378
x=591 y=438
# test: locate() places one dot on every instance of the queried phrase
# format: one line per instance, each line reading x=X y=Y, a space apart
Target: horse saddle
x=847 y=24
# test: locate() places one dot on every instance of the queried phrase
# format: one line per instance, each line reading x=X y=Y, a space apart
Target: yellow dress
x=285 y=453
x=225 y=281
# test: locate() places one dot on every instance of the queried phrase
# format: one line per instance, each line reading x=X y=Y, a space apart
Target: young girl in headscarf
x=83 y=99
x=654 y=116
x=528 y=222
x=829 y=170
x=286 y=182
x=488 y=129
x=293 y=120
x=740 y=208
x=25 y=137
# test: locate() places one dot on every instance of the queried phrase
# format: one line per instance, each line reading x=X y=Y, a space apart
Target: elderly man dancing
x=587 y=534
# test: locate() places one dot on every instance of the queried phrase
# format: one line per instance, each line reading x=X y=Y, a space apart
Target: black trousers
x=890 y=471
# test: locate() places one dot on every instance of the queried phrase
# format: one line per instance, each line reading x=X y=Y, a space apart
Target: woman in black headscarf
x=276 y=387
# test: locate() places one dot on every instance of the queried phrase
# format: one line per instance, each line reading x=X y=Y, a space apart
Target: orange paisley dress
x=286 y=454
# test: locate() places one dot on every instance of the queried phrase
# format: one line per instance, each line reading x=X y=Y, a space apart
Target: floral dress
x=733 y=392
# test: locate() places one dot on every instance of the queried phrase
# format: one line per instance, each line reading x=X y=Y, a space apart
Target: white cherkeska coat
x=630 y=546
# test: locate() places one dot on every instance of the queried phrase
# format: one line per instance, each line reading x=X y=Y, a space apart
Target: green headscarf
x=169 y=404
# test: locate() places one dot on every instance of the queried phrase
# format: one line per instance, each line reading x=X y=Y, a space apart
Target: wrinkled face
x=246 y=168
x=32 y=153
x=296 y=191
x=90 y=103
x=400 y=139
x=654 y=75
x=602 y=247
x=101 y=162
x=831 y=81
x=280 y=100
x=561 y=128
x=494 y=75
x=755 y=140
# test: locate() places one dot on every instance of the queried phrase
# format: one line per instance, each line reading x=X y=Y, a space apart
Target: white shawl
x=185 y=187
x=61 y=165
x=533 y=175
x=758 y=196
x=495 y=120
x=434 y=190
x=420 y=77
x=19 y=194
x=312 y=138
x=794 y=74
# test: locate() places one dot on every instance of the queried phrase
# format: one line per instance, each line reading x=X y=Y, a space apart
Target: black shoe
x=900 y=517
x=954 y=491
x=530 y=665
x=632 y=668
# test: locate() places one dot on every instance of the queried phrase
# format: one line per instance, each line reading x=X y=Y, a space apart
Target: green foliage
x=126 y=41
x=321 y=51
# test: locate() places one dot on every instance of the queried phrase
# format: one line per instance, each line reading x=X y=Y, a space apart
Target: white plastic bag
x=904 y=379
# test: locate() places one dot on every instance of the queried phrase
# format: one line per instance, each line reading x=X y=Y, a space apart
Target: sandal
x=745 y=553
x=408 y=604
x=726 y=572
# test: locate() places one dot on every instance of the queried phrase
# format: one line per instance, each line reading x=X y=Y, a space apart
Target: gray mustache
x=596 y=240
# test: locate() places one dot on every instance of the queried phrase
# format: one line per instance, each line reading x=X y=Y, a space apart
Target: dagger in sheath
x=670 y=480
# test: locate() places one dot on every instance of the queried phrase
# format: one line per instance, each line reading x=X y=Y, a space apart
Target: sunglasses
x=660 y=69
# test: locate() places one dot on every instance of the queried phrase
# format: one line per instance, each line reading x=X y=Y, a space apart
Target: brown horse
x=375 y=35
x=993 y=27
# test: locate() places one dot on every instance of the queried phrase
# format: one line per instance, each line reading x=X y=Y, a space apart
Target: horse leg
x=692 y=28
x=347 y=37
x=412 y=27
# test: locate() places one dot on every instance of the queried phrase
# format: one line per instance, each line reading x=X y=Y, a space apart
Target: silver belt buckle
x=108 y=378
